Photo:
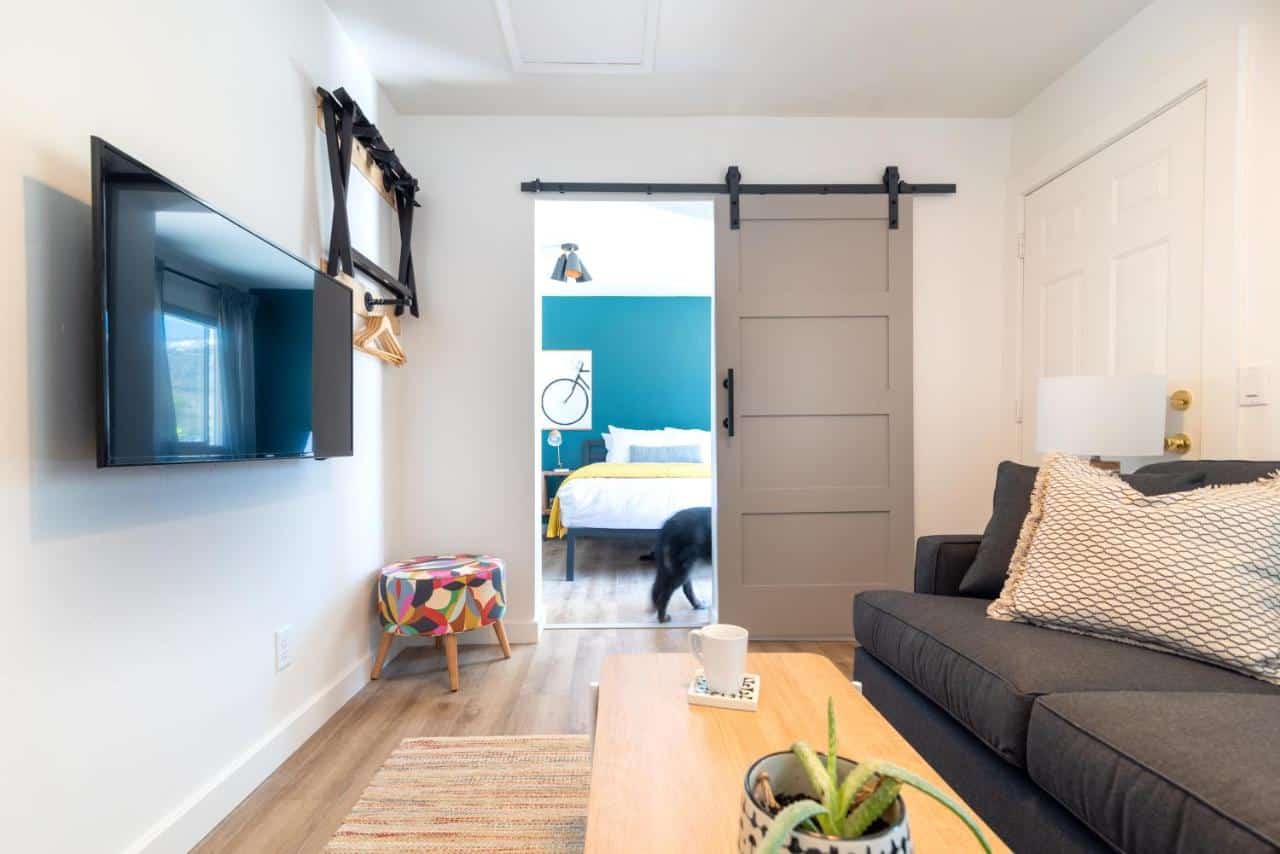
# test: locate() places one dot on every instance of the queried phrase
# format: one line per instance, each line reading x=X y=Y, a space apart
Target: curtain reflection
x=164 y=421
x=236 y=311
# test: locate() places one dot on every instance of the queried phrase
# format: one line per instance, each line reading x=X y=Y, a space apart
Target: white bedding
x=642 y=503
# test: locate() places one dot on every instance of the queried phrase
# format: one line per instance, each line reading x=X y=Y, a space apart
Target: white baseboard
x=530 y=632
x=201 y=811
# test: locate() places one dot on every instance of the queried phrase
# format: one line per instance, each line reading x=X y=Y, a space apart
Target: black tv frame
x=98 y=149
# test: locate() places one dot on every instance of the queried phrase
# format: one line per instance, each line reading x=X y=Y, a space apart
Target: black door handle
x=728 y=384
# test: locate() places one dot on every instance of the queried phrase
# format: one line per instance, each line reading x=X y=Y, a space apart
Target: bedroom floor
x=612 y=587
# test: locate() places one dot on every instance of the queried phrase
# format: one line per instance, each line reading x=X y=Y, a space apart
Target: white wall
x=1260 y=199
x=631 y=246
x=1168 y=49
x=472 y=442
x=137 y=606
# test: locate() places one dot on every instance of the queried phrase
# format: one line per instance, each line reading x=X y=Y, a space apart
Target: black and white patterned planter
x=787 y=775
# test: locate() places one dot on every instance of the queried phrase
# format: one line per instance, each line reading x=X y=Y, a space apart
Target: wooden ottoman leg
x=501 y=632
x=451 y=653
x=384 y=646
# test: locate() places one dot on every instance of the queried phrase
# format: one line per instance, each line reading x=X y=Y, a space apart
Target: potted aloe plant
x=801 y=800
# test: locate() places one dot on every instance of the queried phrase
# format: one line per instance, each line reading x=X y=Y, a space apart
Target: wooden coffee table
x=667 y=776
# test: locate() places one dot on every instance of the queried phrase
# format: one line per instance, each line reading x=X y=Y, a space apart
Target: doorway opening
x=624 y=407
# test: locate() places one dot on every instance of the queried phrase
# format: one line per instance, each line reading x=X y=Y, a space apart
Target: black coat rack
x=345 y=125
x=891 y=185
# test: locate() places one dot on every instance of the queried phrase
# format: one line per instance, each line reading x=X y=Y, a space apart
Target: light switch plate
x=1255 y=382
x=284 y=647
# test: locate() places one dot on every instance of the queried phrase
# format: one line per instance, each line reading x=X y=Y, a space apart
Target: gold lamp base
x=1178 y=443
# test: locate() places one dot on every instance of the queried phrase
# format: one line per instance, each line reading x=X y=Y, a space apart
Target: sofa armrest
x=941 y=561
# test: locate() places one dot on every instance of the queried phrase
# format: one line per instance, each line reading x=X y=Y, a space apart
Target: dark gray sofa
x=1065 y=743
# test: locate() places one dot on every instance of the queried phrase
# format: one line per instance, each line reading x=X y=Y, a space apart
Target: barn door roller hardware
x=890 y=185
x=347 y=132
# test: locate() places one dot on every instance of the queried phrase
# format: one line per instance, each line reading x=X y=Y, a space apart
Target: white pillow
x=701 y=438
x=619 y=448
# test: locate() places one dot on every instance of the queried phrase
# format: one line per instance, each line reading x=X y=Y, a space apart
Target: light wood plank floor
x=612 y=586
x=543 y=689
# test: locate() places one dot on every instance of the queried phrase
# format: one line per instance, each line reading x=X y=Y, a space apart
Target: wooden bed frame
x=594 y=451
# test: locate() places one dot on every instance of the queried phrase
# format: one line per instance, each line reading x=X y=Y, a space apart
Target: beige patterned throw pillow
x=1193 y=573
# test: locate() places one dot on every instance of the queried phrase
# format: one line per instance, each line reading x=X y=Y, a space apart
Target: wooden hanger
x=379 y=336
x=378 y=339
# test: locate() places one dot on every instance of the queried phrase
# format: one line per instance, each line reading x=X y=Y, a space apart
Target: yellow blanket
x=622 y=470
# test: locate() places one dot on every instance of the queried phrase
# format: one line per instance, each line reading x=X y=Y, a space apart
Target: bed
x=622 y=500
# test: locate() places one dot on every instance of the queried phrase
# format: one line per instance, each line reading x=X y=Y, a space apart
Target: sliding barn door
x=813 y=316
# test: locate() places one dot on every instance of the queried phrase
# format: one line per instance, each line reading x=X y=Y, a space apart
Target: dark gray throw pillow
x=1009 y=508
x=666 y=454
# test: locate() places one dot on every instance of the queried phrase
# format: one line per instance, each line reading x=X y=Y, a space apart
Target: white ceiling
x=720 y=57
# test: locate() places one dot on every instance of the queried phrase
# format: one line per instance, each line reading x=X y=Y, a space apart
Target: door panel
x=1060 y=322
x=815 y=548
x=1139 y=310
x=814 y=490
x=828 y=265
x=794 y=452
x=1113 y=274
x=811 y=365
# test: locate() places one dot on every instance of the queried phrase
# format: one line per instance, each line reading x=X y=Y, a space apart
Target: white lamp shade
x=1102 y=416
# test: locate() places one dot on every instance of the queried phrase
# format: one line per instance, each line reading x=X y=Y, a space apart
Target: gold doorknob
x=1178 y=443
x=1180 y=400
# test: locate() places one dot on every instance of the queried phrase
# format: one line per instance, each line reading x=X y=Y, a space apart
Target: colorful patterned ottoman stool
x=440 y=596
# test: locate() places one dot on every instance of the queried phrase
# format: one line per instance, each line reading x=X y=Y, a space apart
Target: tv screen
x=216 y=345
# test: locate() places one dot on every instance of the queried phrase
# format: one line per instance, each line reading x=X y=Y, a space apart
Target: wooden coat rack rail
x=353 y=140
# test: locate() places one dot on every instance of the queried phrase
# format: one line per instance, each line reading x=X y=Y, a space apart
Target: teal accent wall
x=651 y=362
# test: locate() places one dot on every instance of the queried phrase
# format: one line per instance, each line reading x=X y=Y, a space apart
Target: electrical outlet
x=284 y=647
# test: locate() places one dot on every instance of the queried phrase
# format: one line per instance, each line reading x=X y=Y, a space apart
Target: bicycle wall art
x=564 y=389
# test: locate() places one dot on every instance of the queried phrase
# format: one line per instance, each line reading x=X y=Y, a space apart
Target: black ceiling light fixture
x=570 y=266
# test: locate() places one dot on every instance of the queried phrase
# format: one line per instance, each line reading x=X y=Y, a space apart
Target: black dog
x=684 y=541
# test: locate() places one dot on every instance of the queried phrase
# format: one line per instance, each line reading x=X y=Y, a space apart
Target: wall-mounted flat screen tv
x=216 y=345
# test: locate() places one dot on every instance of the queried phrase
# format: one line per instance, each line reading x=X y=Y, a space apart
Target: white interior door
x=1113 y=276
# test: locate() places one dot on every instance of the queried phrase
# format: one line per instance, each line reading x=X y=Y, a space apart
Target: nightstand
x=547 y=494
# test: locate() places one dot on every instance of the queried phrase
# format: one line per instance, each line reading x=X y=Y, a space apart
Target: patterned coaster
x=747 y=699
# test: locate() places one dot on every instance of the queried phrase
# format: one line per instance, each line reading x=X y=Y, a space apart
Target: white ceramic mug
x=721 y=649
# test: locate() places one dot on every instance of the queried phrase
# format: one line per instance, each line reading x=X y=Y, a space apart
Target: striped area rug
x=501 y=794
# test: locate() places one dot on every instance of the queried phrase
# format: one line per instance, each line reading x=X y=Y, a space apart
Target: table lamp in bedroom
x=555 y=440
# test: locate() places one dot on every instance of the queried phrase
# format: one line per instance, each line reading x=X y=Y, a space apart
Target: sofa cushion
x=1216 y=472
x=986 y=674
x=1009 y=507
x=1163 y=772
